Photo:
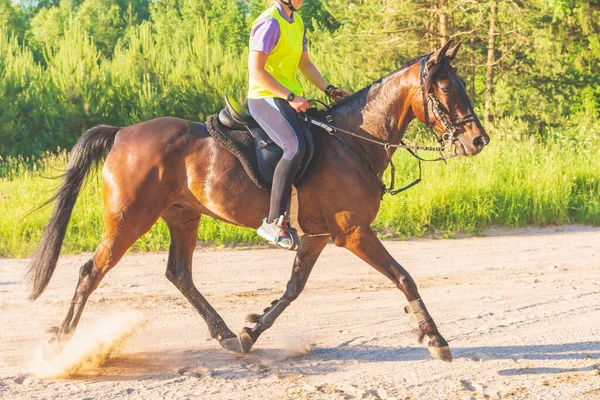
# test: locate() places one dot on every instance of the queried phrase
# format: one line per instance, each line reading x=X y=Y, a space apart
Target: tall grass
x=511 y=183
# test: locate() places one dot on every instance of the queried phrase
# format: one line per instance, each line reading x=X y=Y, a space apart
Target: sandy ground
x=520 y=310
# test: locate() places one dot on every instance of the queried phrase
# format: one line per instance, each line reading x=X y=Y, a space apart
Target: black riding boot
x=283 y=179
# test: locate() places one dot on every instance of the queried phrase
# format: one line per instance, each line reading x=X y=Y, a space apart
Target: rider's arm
x=256 y=66
x=310 y=71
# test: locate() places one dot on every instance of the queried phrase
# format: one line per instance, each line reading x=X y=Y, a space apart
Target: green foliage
x=316 y=16
x=101 y=19
x=146 y=77
x=70 y=64
x=176 y=19
x=562 y=7
x=374 y=37
x=513 y=183
x=588 y=105
x=12 y=18
x=47 y=26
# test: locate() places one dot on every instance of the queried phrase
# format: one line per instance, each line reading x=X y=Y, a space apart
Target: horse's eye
x=446 y=89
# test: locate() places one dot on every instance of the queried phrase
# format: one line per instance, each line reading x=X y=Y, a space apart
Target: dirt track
x=521 y=312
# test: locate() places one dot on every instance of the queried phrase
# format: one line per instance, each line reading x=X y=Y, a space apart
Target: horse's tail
x=90 y=149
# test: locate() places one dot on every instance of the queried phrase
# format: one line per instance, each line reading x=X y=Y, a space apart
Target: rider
x=277 y=50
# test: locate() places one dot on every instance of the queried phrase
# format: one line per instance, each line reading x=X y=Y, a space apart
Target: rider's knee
x=296 y=153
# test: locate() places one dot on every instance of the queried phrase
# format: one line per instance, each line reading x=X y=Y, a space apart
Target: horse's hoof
x=52 y=348
x=441 y=353
x=53 y=329
x=246 y=341
x=232 y=344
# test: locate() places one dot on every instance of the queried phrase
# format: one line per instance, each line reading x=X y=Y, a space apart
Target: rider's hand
x=338 y=94
x=300 y=104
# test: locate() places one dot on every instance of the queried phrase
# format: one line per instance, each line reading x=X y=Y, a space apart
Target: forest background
x=532 y=69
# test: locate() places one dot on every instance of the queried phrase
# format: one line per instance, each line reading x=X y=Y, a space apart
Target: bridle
x=447 y=138
x=450 y=127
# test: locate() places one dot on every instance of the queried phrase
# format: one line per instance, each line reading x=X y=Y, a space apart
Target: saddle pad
x=241 y=145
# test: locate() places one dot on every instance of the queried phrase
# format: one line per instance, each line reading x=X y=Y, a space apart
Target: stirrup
x=283 y=230
x=283 y=223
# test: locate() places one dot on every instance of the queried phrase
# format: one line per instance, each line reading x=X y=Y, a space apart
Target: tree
x=47 y=26
x=177 y=18
x=489 y=81
x=443 y=22
x=103 y=20
x=12 y=18
x=315 y=14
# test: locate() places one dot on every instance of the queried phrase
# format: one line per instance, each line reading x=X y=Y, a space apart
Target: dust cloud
x=89 y=348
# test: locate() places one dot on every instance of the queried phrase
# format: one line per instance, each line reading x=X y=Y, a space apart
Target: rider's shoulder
x=269 y=13
x=268 y=21
x=266 y=18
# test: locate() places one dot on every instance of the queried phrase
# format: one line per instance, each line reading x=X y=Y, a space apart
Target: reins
x=334 y=131
x=331 y=129
x=448 y=137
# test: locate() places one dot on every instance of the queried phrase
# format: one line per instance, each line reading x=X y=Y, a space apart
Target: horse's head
x=442 y=102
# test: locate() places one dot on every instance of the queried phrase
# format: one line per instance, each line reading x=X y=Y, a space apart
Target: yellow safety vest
x=283 y=60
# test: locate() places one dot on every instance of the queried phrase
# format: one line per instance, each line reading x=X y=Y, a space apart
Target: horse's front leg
x=309 y=250
x=363 y=242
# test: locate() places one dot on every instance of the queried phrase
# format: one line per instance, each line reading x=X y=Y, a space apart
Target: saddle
x=236 y=130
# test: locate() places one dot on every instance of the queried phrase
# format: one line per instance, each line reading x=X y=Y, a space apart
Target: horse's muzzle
x=472 y=147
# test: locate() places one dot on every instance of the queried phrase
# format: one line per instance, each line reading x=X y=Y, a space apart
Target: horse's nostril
x=479 y=142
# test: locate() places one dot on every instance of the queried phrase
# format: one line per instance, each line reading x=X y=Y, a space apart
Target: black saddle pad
x=241 y=144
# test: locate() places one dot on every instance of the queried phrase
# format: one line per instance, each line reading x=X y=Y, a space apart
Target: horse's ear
x=436 y=57
x=451 y=53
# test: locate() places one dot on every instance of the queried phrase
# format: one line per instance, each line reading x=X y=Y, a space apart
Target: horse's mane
x=437 y=68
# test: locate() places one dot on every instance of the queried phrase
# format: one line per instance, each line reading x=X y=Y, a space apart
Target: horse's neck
x=383 y=112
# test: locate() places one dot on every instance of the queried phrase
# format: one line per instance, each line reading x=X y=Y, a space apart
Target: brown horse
x=173 y=169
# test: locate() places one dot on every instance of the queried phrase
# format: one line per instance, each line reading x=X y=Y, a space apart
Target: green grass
x=513 y=182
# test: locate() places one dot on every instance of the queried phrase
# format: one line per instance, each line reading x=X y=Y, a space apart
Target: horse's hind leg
x=363 y=242
x=183 y=227
x=90 y=275
x=123 y=228
x=308 y=252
